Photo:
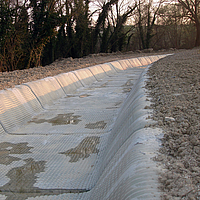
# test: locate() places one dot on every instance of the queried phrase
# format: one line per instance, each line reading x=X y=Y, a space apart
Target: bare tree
x=193 y=12
x=109 y=30
x=11 y=52
x=103 y=8
x=173 y=29
x=118 y=36
x=147 y=12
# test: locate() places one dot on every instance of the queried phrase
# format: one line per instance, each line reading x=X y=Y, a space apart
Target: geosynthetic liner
x=90 y=141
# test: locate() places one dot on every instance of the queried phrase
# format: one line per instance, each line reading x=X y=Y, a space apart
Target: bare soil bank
x=174 y=87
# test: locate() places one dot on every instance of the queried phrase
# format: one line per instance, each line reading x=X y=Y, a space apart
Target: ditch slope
x=174 y=86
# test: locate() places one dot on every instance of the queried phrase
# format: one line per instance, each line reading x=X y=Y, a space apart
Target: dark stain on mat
x=7 y=148
x=60 y=119
x=23 y=178
x=116 y=105
x=97 y=125
x=104 y=85
x=87 y=147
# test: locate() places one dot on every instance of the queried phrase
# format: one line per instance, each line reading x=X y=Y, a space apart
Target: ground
x=174 y=86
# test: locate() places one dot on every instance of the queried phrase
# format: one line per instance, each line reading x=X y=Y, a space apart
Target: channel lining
x=105 y=107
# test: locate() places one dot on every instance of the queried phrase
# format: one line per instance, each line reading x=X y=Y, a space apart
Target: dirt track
x=174 y=86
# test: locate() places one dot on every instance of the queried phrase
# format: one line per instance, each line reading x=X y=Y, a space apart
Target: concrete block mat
x=38 y=166
x=68 y=122
x=80 y=135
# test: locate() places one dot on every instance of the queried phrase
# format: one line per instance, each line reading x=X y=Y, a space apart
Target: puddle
x=84 y=149
x=69 y=96
x=84 y=95
x=22 y=180
x=60 y=119
x=7 y=148
x=81 y=96
x=126 y=90
x=97 y=125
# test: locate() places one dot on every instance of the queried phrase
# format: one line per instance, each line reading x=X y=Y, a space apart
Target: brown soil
x=174 y=86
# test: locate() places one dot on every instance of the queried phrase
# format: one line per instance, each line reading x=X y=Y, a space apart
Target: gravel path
x=174 y=87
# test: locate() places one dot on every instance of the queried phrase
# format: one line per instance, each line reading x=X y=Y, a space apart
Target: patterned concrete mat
x=108 y=93
x=69 y=122
x=58 y=153
x=53 y=165
x=88 y=111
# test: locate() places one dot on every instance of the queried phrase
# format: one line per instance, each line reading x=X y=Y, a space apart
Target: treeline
x=37 y=32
